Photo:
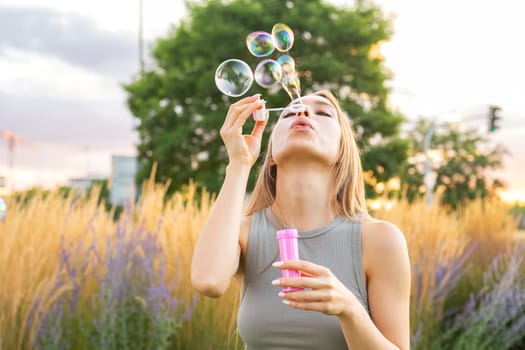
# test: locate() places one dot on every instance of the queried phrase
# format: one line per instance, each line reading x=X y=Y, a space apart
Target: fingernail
x=257 y=95
x=281 y=294
x=276 y=282
x=277 y=264
x=286 y=302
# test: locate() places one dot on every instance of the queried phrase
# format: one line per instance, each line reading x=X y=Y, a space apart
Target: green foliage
x=463 y=170
x=180 y=111
x=26 y=196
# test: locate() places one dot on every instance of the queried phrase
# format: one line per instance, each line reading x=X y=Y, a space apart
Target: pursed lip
x=302 y=122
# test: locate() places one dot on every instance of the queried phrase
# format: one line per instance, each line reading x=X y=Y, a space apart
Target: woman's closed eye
x=291 y=114
x=323 y=113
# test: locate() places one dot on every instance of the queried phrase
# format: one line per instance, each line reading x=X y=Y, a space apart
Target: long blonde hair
x=348 y=193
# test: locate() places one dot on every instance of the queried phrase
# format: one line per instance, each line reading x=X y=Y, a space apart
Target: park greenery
x=180 y=111
x=461 y=161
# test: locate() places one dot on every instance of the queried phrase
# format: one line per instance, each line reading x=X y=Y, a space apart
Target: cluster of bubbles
x=234 y=77
x=3 y=209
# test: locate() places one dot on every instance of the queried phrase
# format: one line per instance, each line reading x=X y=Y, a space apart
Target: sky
x=63 y=62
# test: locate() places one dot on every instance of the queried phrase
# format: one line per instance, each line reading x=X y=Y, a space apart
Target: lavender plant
x=132 y=305
x=426 y=319
x=494 y=317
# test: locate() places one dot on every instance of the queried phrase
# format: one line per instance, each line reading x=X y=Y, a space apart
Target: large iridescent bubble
x=233 y=77
x=283 y=37
x=3 y=209
x=268 y=73
x=260 y=44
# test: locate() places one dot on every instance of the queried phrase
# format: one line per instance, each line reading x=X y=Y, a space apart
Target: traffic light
x=494 y=118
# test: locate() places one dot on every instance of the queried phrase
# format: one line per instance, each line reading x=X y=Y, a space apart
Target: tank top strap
x=263 y=248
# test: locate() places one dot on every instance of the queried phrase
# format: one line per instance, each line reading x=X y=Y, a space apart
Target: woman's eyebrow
x=324 y=103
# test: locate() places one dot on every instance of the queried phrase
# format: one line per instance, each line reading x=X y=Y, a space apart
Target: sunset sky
x=62 y=64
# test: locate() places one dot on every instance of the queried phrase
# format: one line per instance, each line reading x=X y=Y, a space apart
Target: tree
x=462 y=165
x=180 y=111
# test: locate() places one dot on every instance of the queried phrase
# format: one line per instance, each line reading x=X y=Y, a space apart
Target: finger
x=258 y=128
x=300 y=282
x=311 y=306
x=237 y=107
x=313 y=295
x=241 y=117
x=247 y=100
x=304 y=266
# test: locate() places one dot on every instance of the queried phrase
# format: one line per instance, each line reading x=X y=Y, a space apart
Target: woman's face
x=311 y=134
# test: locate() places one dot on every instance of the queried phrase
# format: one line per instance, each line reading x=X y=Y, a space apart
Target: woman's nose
x=305 y=112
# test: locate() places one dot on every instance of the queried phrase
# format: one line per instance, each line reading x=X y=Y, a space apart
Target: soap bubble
x=260 y=44
x=268 y=73
x=3 y=209
x=287 y=63
x=292 y=85
x=233 y=77
x=282 y=37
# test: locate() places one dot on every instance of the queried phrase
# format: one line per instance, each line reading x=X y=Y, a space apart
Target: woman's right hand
x=243 y=149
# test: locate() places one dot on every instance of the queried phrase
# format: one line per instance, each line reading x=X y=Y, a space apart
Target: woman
x=355 y=270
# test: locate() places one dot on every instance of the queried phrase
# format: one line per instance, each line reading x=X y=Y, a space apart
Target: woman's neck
x=303 y=198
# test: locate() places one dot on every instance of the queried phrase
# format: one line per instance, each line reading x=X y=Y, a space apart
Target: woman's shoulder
x=381 y=233
x=381 y=240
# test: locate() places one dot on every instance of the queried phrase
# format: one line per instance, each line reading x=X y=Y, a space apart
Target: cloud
x=73 y=38
x=70 y=123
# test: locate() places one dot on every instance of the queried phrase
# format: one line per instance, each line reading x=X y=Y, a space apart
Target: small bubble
x=292 y=85
x=287 y=63
x=283 y=37
x=260 y=44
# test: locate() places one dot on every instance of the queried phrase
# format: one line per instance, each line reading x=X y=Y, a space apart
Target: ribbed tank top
x=263 y=321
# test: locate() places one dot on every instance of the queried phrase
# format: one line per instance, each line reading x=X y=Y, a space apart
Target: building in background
x=82 y=184
x=122 y=181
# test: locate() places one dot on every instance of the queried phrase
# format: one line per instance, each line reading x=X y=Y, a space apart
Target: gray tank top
x=263 y=321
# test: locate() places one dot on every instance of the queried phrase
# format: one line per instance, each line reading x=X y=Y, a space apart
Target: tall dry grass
x=441 y=246
x=30 y=240
x=448 y=252
x=33 y=234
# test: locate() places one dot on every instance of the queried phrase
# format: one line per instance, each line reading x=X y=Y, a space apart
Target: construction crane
x=12 y=141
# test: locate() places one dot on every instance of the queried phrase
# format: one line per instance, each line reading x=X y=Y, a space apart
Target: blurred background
x=63 y=64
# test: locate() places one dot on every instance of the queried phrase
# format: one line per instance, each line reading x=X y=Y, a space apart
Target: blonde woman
x=355 y=270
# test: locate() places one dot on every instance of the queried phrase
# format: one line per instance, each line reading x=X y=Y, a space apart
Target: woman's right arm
x=217 y=252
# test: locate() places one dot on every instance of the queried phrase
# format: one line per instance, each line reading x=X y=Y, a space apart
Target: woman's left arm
x=386 y=261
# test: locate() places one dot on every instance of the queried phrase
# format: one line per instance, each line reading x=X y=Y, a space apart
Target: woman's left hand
x=323 y=291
